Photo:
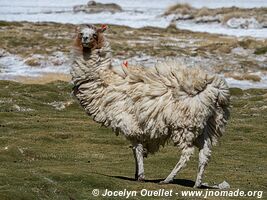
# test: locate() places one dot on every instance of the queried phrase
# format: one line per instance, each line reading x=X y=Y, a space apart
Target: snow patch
x=12 y=66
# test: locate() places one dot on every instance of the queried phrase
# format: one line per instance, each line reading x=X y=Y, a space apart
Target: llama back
x=158 y=102
x=169 y=97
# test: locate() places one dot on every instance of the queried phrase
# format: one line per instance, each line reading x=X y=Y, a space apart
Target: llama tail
x=223 y=96
x=206 y=96
x=215 y=126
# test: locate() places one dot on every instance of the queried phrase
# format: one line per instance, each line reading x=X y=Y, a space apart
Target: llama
x=150 y=105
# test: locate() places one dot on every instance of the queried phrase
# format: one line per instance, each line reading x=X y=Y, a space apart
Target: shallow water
x=245 y=84
x=14 y=68
x=219 y=29
x=136 y=13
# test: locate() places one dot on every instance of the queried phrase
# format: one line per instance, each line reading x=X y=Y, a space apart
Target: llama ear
x=125 y=63
x=78 y=28
x=103 y=28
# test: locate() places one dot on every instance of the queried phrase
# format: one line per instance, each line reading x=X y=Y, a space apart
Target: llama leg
x=204 y=156
x=139 y=162
x=136 y=163
x=186 y=154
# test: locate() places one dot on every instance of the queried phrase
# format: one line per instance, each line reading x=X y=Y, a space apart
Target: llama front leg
x=139 y=162
x=186 y=154
x=204 y=156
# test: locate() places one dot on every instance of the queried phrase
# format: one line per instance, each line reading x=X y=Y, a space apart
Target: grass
x=45 y=78
x=62 y=154
x=261 y=50
x=245 y=76
x=183 y=8
x=46 y=38
x=204 y=12
x=5 y=23
x=231 y=15
x=33 y=62
x=225 y=13
x=27 y=38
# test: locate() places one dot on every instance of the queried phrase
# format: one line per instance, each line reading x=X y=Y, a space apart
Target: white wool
x=148 y=101
x=150 y=106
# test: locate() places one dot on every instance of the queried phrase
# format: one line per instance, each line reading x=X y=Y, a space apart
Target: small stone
x=224 y=185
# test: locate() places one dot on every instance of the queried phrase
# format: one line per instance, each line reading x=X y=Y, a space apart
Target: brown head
x=89 y=37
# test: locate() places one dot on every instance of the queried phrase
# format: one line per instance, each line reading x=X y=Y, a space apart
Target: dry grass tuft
x=229 y=16
x=33 y=62
x=204 y=12
x=241 y=77
x=183 y=8
x=224 y=13
x=45 y=78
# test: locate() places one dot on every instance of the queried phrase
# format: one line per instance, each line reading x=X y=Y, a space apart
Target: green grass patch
x=260 y=51
x=62 y=154
x=5 y=23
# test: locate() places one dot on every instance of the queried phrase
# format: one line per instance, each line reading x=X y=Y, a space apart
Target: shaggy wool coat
x=151 y=105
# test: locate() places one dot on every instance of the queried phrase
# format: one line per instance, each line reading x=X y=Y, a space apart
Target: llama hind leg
x=139 y=162
x=204 y=156
x=186 y=154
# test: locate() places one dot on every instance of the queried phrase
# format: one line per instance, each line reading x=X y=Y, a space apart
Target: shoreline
x=46 y=46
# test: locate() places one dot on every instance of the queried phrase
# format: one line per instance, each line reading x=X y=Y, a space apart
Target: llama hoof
x=196 y=186
x=200 y=185
x=163 y=182
x=141 y=179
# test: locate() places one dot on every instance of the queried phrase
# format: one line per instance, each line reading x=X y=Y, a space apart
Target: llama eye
x=94 y=36
x=80 y=35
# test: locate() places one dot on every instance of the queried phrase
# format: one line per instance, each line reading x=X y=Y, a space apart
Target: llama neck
x=88 y=64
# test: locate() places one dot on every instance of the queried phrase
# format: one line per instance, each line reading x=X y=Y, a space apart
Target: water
x=219 y=29
x=225 y=3
x=12 y=66
x=137 y=13
x=245 y=84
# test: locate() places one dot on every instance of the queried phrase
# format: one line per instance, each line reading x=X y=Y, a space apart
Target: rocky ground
x=231 y=17
x=38 y=45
